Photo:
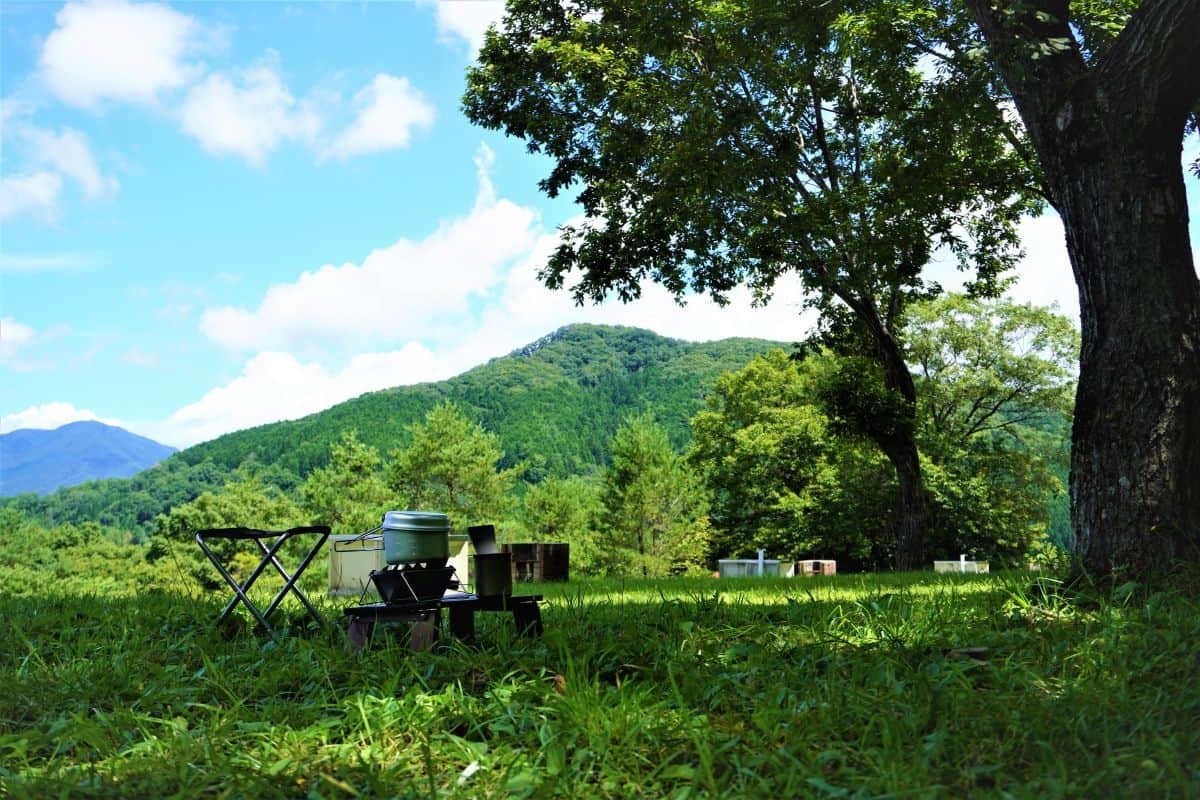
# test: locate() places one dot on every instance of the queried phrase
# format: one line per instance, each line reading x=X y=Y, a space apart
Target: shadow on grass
x=954 y=687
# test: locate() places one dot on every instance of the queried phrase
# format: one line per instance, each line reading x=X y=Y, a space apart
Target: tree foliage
x=653 y=520
x=244 y=502
x=451 y=465
x=720 y=143
x=791 y=475
x=566 y=510
x=348 y=494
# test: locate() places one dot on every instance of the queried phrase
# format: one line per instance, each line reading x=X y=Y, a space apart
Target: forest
x=651 y=457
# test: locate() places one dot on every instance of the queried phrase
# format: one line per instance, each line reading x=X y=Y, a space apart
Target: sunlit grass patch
x=891 y=685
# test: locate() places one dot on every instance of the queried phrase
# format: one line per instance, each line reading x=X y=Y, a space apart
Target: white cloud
x=49 y=416
x=25 y=262
x=276 y=386
x=248 y=117
x=466 y=21
x=408 y=290
x=70 y=154
x=13 y=337
x=115 y=50
x=390 y=109
x=35 y=194
x=46 y=158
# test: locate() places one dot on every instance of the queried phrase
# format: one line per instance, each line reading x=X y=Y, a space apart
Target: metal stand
x=269 y=557
x=462 y=607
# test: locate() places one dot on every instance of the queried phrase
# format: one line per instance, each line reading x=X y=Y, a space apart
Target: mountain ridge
x=555 y=404
x=42 y=461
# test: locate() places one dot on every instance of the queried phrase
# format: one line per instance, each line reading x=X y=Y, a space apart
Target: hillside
x=555 y=404
x=41 y=461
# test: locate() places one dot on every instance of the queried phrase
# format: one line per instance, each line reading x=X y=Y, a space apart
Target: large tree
x=788 y=472
x=1106 y=99
x=719 y=142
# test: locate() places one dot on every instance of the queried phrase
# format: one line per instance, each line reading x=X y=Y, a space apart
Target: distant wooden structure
x=815 y=566
x=539 y=561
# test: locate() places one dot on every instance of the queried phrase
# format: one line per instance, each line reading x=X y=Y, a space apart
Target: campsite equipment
x=493 y=574
x=270 y=557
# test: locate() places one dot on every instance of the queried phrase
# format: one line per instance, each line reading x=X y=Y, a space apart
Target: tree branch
x=1153 y=68
x=1037 y=55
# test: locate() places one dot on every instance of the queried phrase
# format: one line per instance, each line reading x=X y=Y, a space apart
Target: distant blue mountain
x=42 y=461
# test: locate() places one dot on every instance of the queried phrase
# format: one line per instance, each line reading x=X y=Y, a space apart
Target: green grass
x=852 y=686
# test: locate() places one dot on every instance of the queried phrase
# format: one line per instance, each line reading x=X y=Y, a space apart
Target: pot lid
x=430 y=521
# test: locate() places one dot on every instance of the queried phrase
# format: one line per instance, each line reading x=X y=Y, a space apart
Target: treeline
x=778 y=456
x=555 y=404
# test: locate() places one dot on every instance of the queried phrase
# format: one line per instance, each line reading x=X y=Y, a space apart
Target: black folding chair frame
x=269 y=557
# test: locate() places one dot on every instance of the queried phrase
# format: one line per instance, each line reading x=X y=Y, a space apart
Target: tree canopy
x=713 y=144
x=786 y=474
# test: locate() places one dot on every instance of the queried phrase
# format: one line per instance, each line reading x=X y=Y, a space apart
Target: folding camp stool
x=270 y=556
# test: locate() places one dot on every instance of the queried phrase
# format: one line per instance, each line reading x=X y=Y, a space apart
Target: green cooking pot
x=415 y=536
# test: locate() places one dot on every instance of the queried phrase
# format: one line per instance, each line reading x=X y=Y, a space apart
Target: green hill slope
x=555 y=404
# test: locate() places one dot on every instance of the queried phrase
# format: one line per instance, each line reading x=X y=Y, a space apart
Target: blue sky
x=220 y=215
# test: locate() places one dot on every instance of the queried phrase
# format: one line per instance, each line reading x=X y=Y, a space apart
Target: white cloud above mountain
x=275 y=386
x=49 y=416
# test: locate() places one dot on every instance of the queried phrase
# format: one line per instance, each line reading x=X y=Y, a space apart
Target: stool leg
x=290 y=580
x=424 y=633
x=239 y=589
x=462 y=622
x=527 y=617
x=359 y=631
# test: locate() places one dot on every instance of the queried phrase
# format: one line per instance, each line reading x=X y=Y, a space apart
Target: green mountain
x=555 y=404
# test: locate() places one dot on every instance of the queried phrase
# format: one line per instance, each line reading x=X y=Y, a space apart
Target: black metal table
x=461 y=606
x=269 y=544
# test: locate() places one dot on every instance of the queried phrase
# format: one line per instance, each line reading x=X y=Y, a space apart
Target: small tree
x=451 y=466
x=566 y=510
x=245 y=502
x=653 y=503
x=760 y=443
x=349 y=494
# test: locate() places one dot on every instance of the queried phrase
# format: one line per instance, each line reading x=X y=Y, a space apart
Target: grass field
x=850 y=686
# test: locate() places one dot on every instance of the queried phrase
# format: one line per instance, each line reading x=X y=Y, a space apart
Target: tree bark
x=1108 y=137
x=910 y=538
x=898 y=440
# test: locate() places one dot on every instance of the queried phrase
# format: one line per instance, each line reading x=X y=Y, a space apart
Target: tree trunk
x=901 y=451
x=899 y=442
x=1135 y=462
x=1108 y=137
